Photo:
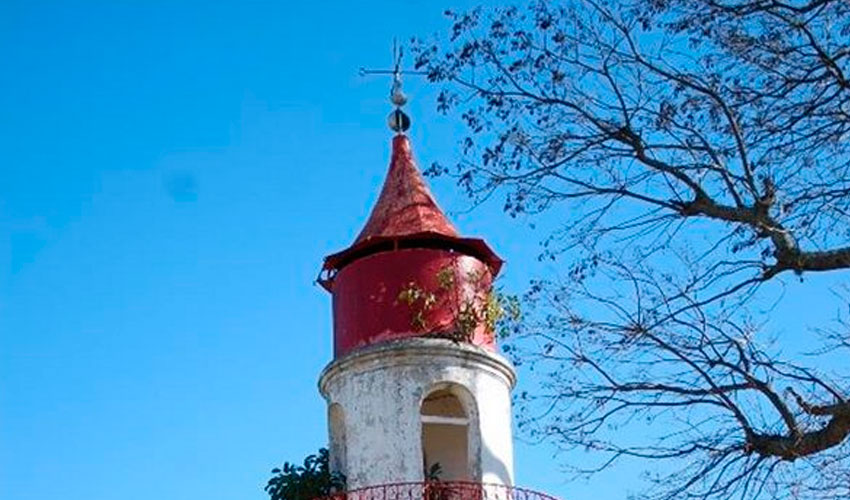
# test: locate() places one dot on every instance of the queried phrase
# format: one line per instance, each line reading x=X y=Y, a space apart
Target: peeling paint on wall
x=380 y=391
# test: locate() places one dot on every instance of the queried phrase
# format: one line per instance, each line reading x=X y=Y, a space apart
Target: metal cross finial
x=398 y=120
x=398 y=54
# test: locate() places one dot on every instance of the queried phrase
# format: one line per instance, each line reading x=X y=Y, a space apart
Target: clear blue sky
x=171 y=175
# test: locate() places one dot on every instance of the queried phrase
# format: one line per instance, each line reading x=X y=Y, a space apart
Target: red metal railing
x=440 y=490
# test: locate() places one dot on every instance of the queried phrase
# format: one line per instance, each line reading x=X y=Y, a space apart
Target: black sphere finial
x=398 y=120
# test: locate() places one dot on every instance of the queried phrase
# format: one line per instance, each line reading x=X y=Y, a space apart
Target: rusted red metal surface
x=408 y=241
x=410 y=293
x=440 y=490
x=406 y=211
x=405 y=205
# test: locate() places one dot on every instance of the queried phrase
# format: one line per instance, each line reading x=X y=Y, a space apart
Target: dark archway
x=445 y=436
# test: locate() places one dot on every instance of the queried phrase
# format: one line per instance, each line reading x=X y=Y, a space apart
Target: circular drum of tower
x=399 y=408
x=409 y=293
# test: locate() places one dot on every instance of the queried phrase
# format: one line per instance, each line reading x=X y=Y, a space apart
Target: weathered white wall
x=380 y=390
x=336 y=428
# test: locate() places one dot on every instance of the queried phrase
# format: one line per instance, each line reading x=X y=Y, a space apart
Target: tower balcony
x=440 y=490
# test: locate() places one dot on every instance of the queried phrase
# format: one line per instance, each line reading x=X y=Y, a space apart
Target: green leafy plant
x=419 y=301
x=502 y=313
x=434 y=488
x=446 y=278
x=467 y=320
x=496 y=311
x=434 y=472
x=313 y=479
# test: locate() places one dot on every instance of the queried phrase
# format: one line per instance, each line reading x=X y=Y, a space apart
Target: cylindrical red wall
x=371 y=297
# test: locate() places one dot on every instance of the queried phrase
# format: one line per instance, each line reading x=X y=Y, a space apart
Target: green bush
x=311 y=480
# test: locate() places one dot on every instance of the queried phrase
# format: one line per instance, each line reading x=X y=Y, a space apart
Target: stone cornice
x=412 y=352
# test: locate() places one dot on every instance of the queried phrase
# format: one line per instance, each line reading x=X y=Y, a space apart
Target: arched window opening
x=445 y=436
x=337 y=445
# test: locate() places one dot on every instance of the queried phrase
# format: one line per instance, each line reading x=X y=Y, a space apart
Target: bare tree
x=694 y=152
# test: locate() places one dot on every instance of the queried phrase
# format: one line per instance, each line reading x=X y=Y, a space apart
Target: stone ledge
x=411 y=352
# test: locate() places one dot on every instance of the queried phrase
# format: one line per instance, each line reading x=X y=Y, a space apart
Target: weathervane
x=398 y=119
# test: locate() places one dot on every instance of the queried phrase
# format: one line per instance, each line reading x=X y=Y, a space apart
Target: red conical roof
x=406 y=213
x=405 y=205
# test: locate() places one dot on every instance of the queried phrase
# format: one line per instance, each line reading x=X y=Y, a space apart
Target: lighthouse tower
x=416 y=390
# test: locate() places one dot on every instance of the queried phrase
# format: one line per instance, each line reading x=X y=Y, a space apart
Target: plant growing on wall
x=486 y=307
x=435 y=489
x=420 y=301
